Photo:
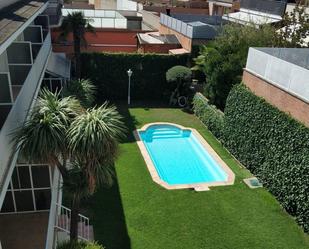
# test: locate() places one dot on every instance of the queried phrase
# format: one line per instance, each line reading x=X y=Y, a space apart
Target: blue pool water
x=179 y=157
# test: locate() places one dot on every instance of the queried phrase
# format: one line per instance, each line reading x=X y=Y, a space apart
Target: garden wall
x=109 y=73
x=271 y=144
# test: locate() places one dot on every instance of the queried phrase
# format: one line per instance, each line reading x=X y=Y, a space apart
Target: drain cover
x=253 y=182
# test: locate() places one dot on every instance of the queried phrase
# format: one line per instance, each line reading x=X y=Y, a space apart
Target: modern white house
x=31 y=214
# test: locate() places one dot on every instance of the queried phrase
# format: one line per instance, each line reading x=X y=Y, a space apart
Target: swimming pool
x=178 y=157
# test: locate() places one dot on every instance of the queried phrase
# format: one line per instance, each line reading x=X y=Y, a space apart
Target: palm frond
x=93 y=139
x=43 y=136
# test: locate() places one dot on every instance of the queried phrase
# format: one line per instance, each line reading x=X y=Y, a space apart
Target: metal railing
x=63 y=221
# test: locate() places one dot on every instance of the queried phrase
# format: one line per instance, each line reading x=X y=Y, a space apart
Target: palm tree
x=76 y=23
x=93 y=141
x=43 y=135
x=82 y=89
x=81 y=143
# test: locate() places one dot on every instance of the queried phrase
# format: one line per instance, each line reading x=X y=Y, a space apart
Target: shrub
x=273 y=146
x=178 y=73
x=208 y=114
x=82 y=89
x=79 y=245
x=108 y=72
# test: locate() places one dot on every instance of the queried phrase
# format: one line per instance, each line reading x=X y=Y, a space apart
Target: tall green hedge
x=273 y=146
x=108 y=71
x=208 y=114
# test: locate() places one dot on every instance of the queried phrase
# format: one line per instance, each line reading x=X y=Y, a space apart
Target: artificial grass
x=137 y=213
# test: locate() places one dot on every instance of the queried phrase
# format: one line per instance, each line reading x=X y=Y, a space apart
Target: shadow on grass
x=105 y=207
x=108 y=219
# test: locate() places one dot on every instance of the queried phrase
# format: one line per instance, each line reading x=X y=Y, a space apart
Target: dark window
x=24 y=200
x=42 y=199
x=21 y=177
x=40 y=176
x=8 y=205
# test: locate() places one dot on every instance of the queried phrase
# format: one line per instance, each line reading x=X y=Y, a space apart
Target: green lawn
x=139 y=214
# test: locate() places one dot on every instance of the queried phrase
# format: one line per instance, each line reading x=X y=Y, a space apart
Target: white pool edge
x=197 y=186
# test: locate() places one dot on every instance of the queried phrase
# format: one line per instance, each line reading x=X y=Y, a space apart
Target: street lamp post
x=130 y=72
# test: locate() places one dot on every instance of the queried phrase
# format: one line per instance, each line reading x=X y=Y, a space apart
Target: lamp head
x=130 y=72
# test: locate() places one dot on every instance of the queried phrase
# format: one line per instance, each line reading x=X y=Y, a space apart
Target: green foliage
x=295 y=28
x=223 y=61
x=82 y=89
x=136 y=209
x=208 y=114
x=79 y=245
x=273 y=146
x=108 y=72
x=178 y=73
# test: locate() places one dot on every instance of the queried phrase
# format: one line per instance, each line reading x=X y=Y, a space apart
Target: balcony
x=24 y=77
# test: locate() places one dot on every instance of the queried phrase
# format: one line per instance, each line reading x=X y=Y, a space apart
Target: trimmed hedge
x=273 y=146
x=208 y=114
x=108 y=71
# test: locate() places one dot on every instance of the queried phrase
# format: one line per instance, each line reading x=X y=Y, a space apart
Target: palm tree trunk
x=77 y=44
x=74 y=218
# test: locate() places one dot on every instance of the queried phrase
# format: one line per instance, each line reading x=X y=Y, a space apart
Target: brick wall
x=281 y=99
x=107 y=40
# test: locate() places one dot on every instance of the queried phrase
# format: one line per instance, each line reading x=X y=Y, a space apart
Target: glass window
x=21 y=177
x=8 y=205
x=40 y=176
x=24 y=200
x=42 y=199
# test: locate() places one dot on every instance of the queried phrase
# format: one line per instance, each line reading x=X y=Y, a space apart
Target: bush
x=108 y=72
x=83 y=90
x=79 y=245
x=273 y=146
x=178 y=73
x=209 y=115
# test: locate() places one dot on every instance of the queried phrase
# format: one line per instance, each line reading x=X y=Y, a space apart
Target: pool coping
x=197 y=186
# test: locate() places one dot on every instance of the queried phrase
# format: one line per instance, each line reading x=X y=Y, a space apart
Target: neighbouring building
x=116 y=24
x=191 y=29
x=31 y=214
x=258 y=12
x=222 y=7
x=153 y=42
x=281 y=77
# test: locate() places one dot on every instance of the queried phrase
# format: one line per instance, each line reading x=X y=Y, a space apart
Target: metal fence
x=287 y=69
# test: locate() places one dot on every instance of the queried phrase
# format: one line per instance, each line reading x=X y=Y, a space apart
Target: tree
x=76 y=23
x=179 y=77
x=295 y=31
x=93 y=142
x=223 y=61
x=82 y=89
x=81 y=143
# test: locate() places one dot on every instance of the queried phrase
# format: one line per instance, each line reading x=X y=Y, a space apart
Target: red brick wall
x=277 y=97
x=108 y=40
